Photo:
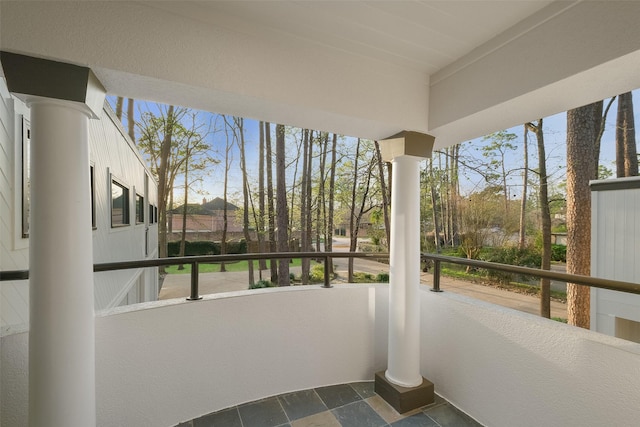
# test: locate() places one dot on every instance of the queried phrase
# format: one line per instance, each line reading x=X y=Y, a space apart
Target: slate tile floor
x=347 y=405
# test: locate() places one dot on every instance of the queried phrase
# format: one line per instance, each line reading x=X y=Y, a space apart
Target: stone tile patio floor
x=348 y=405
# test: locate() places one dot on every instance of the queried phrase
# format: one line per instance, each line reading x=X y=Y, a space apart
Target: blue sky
x=555 y=143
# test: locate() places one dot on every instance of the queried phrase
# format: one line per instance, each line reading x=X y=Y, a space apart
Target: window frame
x=126 y=214
x=26 y=177
x=92 y=173
x=140 y=208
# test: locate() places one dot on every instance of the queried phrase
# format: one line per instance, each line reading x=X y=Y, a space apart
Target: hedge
x=205 y=247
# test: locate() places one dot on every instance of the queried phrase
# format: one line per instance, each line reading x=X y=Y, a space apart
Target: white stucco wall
x=165 y=362
x=161 y=363
x=508 y=368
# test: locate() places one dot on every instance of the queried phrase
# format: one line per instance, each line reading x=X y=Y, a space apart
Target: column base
x=404 y=399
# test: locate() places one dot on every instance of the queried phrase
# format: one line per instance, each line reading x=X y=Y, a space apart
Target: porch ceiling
x=454 y=69
x=422 y=35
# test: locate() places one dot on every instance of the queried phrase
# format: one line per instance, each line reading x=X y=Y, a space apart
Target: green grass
x=230 y=266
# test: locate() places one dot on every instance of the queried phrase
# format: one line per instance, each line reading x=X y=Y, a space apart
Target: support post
x=62 y=98
x=402 y=384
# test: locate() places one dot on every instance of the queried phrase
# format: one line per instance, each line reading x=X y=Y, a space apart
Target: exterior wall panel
x=615 y=250
x=111 y=151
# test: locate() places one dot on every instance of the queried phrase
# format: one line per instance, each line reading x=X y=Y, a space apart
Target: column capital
x=407 y=143
x=31 y=78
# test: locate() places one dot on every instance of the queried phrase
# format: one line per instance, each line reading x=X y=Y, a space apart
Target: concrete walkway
x=178 y=286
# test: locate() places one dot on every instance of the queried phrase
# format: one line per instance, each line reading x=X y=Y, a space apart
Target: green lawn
x=230 y=266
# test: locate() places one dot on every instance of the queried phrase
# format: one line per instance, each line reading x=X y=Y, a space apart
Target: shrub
x=206 y=247
x=527 y=257
x=193 y=248
x=371 y=247
x=382 y=278
x=262 y=284
x=558 y=253
x=360 y=277
x=316 y=274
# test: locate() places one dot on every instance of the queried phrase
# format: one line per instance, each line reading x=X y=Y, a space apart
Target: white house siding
x=615 y=251
x=113 y=155
x=14 y=252
x=110 y=151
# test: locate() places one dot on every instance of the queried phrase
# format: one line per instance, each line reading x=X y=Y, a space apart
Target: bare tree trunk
x=304 y=214
x=603 y=119
x=131 y=122
x=309 y=223
x=525 y=181
x=328 y=244
x=271 y=213
x=282 y=207
x=119 y=102
x=170 y=207
x=357 y=213
x=582 y=127
x=455 y=193
x=323 y=193
x=183 y=237
x=444 y=188
x=545 y=217
x=239 y=126
x=225 y=191
x=262 y=264
x=292 y=198
x=321 y=209
x=447 y=199
x=626 y=151
x=385 y=198
x=163 y=184
x=353 y=232
x=434 y=202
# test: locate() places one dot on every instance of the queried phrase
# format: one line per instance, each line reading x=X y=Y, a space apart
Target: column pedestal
x=404 y=399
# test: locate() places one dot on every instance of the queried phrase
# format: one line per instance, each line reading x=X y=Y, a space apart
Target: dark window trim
x=140 y=208
x=26 y=176
x=92 y=173
x=126 y=215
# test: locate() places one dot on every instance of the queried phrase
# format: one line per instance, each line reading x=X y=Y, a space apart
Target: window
x=119 y=204
x=151 y=221
x=155 y=214
x=26 y=177
x=93 y=198
x=139 y=209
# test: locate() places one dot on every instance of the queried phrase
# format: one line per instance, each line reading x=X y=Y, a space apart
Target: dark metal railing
x=595 y=282
x=327 y=257
x=194 y=261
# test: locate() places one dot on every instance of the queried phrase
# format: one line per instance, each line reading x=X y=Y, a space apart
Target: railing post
x=436 y=277
x=327 y=272
x=194 y=282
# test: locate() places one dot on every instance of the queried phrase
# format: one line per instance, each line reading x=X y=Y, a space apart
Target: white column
x=404 y=278
x=61 y=339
